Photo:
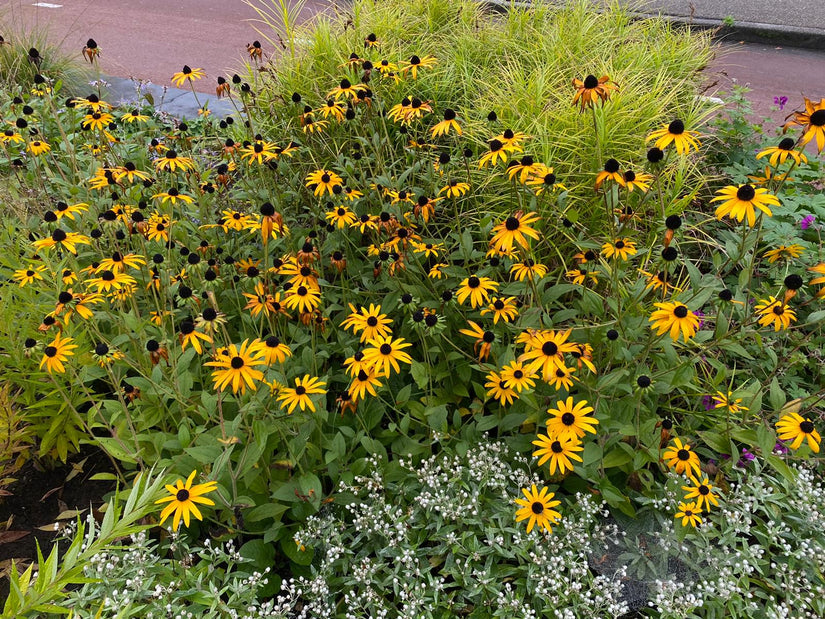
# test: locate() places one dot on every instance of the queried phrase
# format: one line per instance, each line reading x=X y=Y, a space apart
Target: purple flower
x=780 y=101
x=699 y=314
x=708 y=403
x=745 y=458
x=806 y=222
x=780 y=448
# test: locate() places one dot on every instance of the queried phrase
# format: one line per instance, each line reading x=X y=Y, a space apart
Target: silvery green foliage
x=439 y=539
x=140 y=580
x=761 y=553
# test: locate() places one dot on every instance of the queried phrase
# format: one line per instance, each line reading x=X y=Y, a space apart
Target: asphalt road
x=152 y=39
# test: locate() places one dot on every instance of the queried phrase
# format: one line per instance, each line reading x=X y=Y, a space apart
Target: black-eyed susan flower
x=477 y=289
x=676 y=318
x=498 y=151
x=364 y=382
x=562 y=378
x=173 y=196
x=29 y=275
x=271 y=349
x=236 y=368
x=483 y=339
x=134 y=116
x=97 y=121
x=676 y=134
x=518 y=376
x=515 y=230
x=610 y=172
x=66 y=240
x=584 y=356
x=793 y=427
x=428 y=249
x=779 y=154
x=38 y=147
x=183 y=498
x=455 y=189
x=580 y=276
x=545 y=350
x=158 y=226
x=187 y=74
x=369 y=322
x=523 y=168
x=189 y=335
x=502 y=308
x=321 y=181
x=384 y=353
x=290 y=397
x=812 y=121
x=661 y=280
x=636 y=180
x=689 y=513
x=682 y=459
x=172 y=161
x=56 y=353
x=497 y=388
x=345 y=89
x=739 y=202
x=559 y=453
x=129 y=172
x=106 y=281
x=529 y=269
x=10 y=136
x=258 y=152
x=341 y=217
x=436 y=271
x=702 y=491
x=537 y=509
x=571 y=420
x=784 y=252
x=416 y=62
x=104 y=355
x=118 y=262
x=592 y=89
x=449 y=123
x=774 y=313
x=733 y=405
x=303 y=299
x=544 y=179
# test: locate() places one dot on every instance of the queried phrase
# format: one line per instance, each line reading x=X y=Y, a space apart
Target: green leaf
x=420 y=374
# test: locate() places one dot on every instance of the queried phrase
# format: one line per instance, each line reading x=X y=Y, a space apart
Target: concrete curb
x=753 y=32
x=176 y=102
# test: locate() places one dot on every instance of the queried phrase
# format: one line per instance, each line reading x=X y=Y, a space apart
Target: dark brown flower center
x=300 y=390
x=51 y=351
x=806 y=427
x=746 y=193
x=237 y=363
x=385 y=349
x=683 y=454
x=372 y=321
x=568 y=419
x=182 y=495
x=680 y=311
x=550 y=349
x=818 y=118
x=704 y=490
x=537 y=507
x=591 y=81
x=473 y=282
x=677 y=127
x=556 y=447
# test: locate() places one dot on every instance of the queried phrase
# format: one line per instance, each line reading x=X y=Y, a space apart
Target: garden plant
x=461 y=314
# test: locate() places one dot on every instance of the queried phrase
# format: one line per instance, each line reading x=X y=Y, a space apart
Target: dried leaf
x=7 y=537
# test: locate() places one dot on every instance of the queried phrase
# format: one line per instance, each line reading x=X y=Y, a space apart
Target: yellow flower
x=299 y=395
x=497 y=388
x=620 y=248
x=537 y=509
x=773 y=312
x=592 y=89
x=689 y=513
x=780 y=153
x=384 y=353
x=38 y=147
x=560 y=453
x=676 y=134
x=726 y=401
x=478 y=289
x=676 y=318
x=784 y=252
x=571 y=421
x=502 y=308
x=187 y=74
x=528 y=270
x=182 y=500
x=702 y=491
x=172 y=161
x=793 y=427
x=455 y=189
x=415 y=63
x=321 y=181
x=682 y=459
x=58 y=351
x=812 y=121
x=740 y=202
x=27 y=276
x=514 y=230
x=369 y=322
x=449 y=122
x=237 y=367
